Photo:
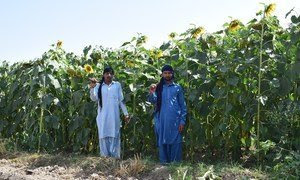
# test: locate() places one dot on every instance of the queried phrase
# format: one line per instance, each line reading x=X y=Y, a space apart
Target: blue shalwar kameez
x=166 y=122
x=108 y=117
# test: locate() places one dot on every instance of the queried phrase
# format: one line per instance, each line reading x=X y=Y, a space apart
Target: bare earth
x=47 y=167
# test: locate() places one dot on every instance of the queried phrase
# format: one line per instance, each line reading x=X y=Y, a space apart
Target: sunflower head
x=257 y=26
x=197 y=32
x=156 y=54
x=88 y=68
x=172 y=35
x=130 y=63
x=59 y=44
x=234 y=25
x=270 y=9
x=78 y=74
x=212 y=40
x=220 y=83
x=71 y=72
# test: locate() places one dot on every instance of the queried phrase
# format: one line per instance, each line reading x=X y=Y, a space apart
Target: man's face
x=108 y=76
x=167 y=75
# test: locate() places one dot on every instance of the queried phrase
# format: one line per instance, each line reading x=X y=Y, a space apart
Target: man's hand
x=152 y=88
x=127 y=119
x=93 y=82
x=181 y=127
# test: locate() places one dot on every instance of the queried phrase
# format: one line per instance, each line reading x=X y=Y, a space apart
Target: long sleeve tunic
x=108 y=117
x=172 y=114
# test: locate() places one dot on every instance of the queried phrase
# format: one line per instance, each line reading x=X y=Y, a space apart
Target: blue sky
x=29 y=27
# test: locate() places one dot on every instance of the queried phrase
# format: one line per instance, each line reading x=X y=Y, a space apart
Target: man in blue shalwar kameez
x=169 y=117
x=110 y=98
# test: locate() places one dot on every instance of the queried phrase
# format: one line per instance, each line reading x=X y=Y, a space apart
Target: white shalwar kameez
x=108 y=117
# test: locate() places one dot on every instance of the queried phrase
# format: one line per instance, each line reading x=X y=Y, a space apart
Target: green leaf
x=294 y=19
x=285 y=85
x=53 y=81
x=165 y=46
x=148 y=76
x=223 y=69
x=44 y=140
x=77 y=97
x=85 y=135
x=3 y=124
x=222 y=127
x=193 y=60
x=275 y=83
x=228 y=108
x=86 y=50
x=243 y=141
x=233 y=81
x=287 y=14
x=125 y=43
x=175 y=57
x=298 y=91
x=218 y=92
x=47 y=99
x=52 y=121
x=263 y=99
x=75 y=124
x=132 y=88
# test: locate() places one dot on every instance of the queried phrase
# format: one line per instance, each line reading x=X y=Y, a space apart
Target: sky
x=29 y=27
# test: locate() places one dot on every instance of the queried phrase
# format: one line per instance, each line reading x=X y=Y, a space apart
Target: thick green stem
x=41 y=123
x=259 y=88
x=134 y=102
x=188 y=105
x=226 y=122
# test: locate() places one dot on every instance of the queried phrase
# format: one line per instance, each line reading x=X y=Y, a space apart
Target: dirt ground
x=28 y=166
x=47 y=167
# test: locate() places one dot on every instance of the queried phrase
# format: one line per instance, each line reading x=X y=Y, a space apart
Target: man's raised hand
x=152 y=88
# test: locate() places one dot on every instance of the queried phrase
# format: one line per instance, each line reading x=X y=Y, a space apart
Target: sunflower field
x=242 y=89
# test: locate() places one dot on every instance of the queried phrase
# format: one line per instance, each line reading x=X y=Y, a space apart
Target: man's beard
x=168 y=79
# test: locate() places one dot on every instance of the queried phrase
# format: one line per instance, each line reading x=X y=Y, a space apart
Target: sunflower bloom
x=130 y=64
x=159 y=54
x=212 y=40
x=88 y=68
x=172 y=35
x=197 y=32
x=220 y=83
x=59 y=44
x=71 y=72
x=156 y=54
x=256 y=26
x=234 y=25
x=78 y=74
x=270 y=9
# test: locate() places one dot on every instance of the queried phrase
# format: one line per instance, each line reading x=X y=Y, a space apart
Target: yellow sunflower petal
x=71 y=72
x=59 y=44
x=172 y=35
x=270 y=9
x=88 y=68
x=197 y=32
x=234 y=25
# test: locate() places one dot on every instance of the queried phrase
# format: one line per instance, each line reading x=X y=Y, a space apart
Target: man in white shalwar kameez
x=109 y=95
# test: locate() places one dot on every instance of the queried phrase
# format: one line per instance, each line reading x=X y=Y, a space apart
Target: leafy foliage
x=45 y=105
